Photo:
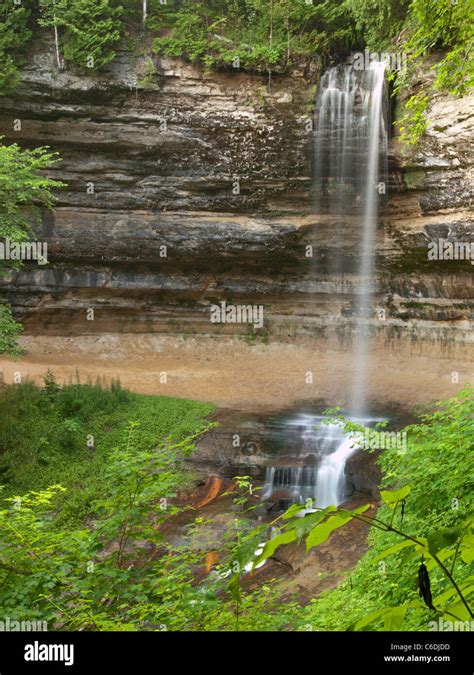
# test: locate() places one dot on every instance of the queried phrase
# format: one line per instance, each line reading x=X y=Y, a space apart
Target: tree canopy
x=259 y=35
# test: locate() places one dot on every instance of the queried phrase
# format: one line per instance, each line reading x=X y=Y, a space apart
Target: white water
x=350 y=159
x=317 y=473
x=377 y=144
x=331 y=481
x=349 y=175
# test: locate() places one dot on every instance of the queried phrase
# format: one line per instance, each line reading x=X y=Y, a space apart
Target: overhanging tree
x=23 y=191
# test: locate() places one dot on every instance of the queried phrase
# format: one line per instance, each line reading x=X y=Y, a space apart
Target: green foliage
x=9 y=332
x=93 y=30
x=414 y=123
x=117 y=572
x=378 y=21
x=444 y=25
x=257 y=35
x=14 y=37
x=75 y=429
x=85 y=31
x=437 y=23
x=100 y=575
x=455 y=71
x=23 y=191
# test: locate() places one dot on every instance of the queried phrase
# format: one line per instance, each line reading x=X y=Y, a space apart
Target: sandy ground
x=234 y=374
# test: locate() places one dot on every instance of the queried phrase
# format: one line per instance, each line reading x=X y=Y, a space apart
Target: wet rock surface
x=363 y=473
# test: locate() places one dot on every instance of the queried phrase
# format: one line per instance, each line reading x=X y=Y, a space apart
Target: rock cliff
x=188 y=188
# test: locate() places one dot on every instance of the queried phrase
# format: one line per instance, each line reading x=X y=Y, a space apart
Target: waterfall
x=331 y=481
x=349 y=176
x=317 y=472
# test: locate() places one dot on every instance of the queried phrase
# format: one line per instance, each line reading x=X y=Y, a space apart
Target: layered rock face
x=189 y=188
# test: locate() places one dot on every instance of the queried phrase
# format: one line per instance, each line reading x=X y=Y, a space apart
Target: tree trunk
x=288 y=39
x=271 y=25
x=56 y=42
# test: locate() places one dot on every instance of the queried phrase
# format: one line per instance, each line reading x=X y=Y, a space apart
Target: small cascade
x=331 y=485
x=316 y=473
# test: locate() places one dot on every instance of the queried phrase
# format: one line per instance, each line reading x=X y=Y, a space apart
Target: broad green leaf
x=303 y=525
x=396 y=612
x=394 y=618
x=394 y=549
x=370 y=618
x=292 y=511
x=320 y=533
x=274 y=543
x=459 y=610
x=391 y=497
x=297 y=508
x=466 y=549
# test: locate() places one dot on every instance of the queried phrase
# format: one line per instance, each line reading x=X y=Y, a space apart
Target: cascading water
x=331 y=482
x=317 y=471
x=349 y=176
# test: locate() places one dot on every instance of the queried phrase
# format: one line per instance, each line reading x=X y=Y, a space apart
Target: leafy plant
x=85 y=31
x=9 y=332
x=378 y=21
x=23 y=191
x=414 y=122
x=444 y=27
x=15 y=34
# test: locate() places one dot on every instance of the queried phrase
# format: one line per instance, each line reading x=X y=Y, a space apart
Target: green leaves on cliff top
x=258 y=35
x=85 y=31
x=261 y=35
x=14 y=36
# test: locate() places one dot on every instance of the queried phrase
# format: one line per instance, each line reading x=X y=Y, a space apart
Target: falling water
x=331 y=481
x=349 y=176
x=317 y=472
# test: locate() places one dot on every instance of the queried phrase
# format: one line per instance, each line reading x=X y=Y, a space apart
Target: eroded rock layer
x=192 y=188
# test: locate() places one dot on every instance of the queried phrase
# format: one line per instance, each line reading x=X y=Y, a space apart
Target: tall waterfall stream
x=349 y=175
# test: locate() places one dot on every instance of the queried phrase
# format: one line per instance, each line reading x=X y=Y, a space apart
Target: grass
x=64 y=435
